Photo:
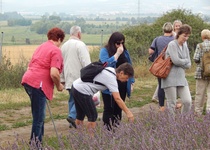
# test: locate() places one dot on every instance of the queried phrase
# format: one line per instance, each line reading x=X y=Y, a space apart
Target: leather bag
x=161 y=66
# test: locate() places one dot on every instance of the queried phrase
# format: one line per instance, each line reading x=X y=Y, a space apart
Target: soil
x=61 y=125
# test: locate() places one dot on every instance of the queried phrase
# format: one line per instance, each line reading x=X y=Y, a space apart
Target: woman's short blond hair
x=205 y=34
x=167 y=27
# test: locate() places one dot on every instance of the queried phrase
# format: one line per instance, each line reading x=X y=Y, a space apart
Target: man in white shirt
x=83 y=92
x=76 y=56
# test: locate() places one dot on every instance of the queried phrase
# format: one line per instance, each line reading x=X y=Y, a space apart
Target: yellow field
x=18 y=53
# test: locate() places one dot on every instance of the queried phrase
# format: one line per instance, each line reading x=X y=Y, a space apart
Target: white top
x=107 y=78
x=75 y=56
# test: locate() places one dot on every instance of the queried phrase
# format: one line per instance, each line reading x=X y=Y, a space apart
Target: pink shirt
x=46 y=56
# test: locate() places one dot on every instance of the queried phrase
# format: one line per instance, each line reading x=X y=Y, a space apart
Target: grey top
x=180 y=58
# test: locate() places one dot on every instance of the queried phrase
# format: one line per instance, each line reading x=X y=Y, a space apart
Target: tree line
x=140 y=37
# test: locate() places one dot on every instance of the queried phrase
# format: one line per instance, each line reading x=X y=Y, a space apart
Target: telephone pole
x=2 y=35
x=138 y=16
x=0 y=6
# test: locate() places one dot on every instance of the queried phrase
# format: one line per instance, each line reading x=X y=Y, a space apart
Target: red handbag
x=161 y=66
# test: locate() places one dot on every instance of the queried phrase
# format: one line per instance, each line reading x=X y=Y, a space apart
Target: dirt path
x=61 y=125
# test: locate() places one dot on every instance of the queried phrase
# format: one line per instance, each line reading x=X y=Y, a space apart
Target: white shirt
x=107 y=78
x=75 y=56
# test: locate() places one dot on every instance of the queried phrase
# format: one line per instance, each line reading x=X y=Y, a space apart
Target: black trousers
x=112 y=112
x=161 y=94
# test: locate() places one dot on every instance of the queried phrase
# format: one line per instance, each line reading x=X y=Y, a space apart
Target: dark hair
x=55 y=34
x=186 y=29
x=126 y=68
x=115 y=37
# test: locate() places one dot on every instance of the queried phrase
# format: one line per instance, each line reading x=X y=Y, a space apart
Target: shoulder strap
x=96 y=82
x=201 y=46
x=110 y=71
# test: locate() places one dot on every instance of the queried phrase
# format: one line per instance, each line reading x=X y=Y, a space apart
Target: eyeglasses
x=118 y=43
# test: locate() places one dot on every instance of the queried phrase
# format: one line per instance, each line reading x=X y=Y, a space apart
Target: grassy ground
x=15 y=112
x=13 y=100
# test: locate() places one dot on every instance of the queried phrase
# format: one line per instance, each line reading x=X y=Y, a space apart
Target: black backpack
x=88 y=73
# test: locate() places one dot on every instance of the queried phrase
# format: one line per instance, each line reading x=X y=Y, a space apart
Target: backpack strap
x=201 y=46
x=96 y=82
x=110 y=71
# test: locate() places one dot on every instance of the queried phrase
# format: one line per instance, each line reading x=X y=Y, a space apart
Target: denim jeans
x=38 y=108
x=72 y=109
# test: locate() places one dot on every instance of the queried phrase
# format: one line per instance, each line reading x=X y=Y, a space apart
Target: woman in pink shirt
x=42 y=74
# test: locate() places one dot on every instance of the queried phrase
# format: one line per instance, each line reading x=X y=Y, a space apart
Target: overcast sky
x=97 y=6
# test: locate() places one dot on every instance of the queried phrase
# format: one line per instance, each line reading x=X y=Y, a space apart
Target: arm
x=62 y=79
x=104 y=56
x=151 y=51
x=122 y=105
x=188 y=65
x=55 y=75
x=172 y=51
x=197 y=54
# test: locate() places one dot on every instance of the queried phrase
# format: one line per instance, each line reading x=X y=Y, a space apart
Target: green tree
x=13 y=39
x=42 y=27
x=140 y=37
x=80 y=21
x=55 y=19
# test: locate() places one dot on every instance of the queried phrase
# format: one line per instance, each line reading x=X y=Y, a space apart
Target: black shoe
x=72 y=122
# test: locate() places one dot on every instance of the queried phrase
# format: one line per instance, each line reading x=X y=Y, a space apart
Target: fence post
x=2 y=35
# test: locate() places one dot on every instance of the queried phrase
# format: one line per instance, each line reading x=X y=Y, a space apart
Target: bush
x=11 y=75
x=139 y=38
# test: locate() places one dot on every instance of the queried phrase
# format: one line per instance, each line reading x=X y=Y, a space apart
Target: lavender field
x=151 y=131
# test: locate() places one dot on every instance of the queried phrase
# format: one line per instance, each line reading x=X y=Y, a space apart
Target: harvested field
x=19 y=53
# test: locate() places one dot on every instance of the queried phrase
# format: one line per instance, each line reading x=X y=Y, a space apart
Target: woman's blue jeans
x=38 y=108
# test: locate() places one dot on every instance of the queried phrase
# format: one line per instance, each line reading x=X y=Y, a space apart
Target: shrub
x=11 y=75
x=140 y=37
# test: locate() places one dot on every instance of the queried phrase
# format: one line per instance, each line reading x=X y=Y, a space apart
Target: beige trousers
x=202 y=86
x=172 y=93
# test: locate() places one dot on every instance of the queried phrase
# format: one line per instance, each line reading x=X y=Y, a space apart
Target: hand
x=120 y=50
x=130 y=117
x=132 y=86
x=60 y=87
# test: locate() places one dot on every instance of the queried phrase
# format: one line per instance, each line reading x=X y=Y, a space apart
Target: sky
x=104 y=6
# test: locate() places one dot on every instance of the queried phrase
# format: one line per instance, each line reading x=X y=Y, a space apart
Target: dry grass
x=17 y=53
x=13 y=95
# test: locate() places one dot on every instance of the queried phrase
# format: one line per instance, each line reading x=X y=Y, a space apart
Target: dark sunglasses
x=118 y=43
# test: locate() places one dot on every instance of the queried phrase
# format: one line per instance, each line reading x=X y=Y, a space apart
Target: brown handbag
x=161 y=66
